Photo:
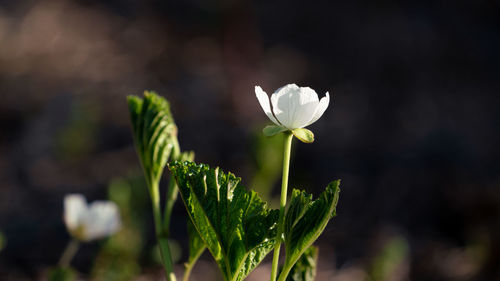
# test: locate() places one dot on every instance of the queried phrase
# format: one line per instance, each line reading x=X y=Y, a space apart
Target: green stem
x=187 y=271
x=69 y=253
x=161 y=235
x=169 y=204
x=284 y=273
x=189 y=266
x=284 y=187
x=172 y=190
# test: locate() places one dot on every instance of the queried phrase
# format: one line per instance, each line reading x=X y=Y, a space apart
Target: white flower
x=89 y=222
x=293 y=108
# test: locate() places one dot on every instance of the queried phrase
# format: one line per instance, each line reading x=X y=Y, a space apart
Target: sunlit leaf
x=306 y=219
x=154 y=132
x=235 y=224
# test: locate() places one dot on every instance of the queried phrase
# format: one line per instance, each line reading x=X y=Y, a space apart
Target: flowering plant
x=233 y=223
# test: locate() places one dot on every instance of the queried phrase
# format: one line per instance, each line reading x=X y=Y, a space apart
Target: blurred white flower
x=293 y=107
x=89 y=222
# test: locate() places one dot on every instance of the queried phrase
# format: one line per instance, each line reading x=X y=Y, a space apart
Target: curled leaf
x=154 y=132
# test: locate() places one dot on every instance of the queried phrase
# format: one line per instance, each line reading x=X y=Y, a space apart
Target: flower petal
x=294 y=107
x=103 y=220
x=75 y=211
x=322 y=106
x=264 y=103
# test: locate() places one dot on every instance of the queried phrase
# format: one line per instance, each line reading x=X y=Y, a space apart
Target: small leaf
x=306 y=219
x=305 y=268
x=235 y=224
x=154 y=132
x=272 y=130
x=304 y=135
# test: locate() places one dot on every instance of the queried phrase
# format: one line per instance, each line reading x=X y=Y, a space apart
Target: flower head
x=89 y=222
x=293 y=108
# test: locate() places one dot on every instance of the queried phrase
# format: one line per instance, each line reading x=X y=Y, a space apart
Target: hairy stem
x=284 y=187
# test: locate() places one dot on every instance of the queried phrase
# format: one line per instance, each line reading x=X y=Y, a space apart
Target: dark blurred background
x=412 y=130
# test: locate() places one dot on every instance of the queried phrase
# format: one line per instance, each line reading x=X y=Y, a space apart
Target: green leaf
x=235 y=224
x=304 y=135
x=305 y=220
x=272 y=130
x=154 y=132
x=305 y=268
